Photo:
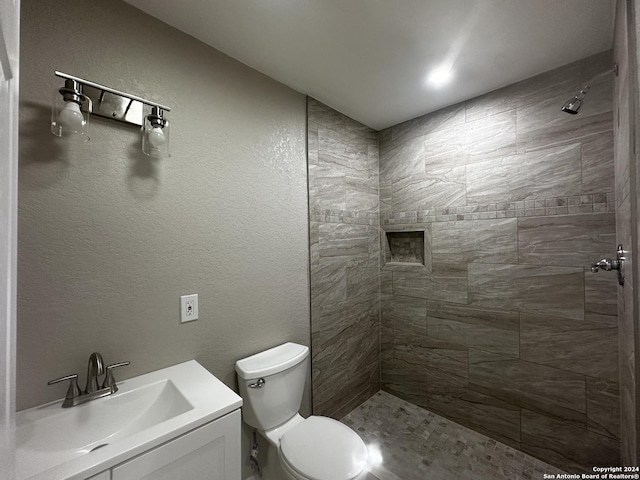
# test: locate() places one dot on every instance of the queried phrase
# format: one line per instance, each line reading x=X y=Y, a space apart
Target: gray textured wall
x=109 y=239
x=504 y=328
x=345 y=260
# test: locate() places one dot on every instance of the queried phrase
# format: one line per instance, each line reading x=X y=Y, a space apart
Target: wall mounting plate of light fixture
x=83 y=97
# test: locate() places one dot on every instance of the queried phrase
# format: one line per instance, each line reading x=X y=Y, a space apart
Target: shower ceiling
x=371 y=59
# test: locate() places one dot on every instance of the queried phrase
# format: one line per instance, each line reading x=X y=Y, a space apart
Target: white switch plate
x=188 y=308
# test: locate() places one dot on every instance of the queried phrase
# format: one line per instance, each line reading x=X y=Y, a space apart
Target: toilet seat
x=320 y=448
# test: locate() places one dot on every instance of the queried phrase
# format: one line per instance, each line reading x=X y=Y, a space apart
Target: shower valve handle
x=608 y=265
x=605 y=264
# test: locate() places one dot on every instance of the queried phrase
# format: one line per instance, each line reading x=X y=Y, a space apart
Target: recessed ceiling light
x=440 y=76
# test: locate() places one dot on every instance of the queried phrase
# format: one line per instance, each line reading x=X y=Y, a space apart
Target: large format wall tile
x=403 y=313
x=344 y=154
x=495 y=331
x=603 y=407
x=345 y=318
x=348 y=375
x=344 y=260
x=362 y=280
x=552 y=172
x=567 y=131
x=327 y=188
x=404 y=160
x=344 y=243
x=444 y=188
x=452 y=116
x=321 y=114
x=406 y=374
x=433 y=355
x=447 y=283
x=361 y=195
x=601 y=297
x=329 y=284
x=561 y=82
x=473 y=141
x=529 y=385
x=597 y=164
x=580 y=346
x=485 y=241
x=568 y=240
x=566 y=444
x=406 y=381
x=557 y=291
x=486 y=414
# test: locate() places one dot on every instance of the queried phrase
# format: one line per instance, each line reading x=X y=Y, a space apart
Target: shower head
x=573 y=105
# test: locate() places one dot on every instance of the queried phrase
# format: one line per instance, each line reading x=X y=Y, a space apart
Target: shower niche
x=406 y=250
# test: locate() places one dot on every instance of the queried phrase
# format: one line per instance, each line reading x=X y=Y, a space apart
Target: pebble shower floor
x=416 y=444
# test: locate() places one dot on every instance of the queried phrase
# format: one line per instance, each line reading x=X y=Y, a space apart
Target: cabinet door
x=210 y=452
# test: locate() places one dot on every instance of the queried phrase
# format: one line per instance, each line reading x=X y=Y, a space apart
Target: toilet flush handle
x=259 y=384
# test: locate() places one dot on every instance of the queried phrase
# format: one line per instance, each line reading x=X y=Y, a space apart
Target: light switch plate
x=188 y=308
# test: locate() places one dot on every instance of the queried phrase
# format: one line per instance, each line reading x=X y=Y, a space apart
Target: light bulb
x=156 y=137
x=71 y=117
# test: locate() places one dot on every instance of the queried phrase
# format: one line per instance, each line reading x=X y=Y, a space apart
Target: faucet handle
x=109 y=380
x=73 y=390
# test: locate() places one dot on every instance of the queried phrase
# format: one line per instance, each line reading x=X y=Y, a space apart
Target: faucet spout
x=95 y=368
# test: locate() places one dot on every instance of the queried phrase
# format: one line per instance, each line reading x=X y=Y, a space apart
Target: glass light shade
x=156 y=137
x=68 y=120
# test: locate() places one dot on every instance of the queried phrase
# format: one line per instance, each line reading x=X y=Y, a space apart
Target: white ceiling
x=369 y=59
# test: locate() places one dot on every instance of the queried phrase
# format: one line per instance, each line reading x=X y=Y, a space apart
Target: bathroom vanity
x=178 y=422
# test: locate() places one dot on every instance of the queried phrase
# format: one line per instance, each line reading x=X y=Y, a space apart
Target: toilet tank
x=284 y=370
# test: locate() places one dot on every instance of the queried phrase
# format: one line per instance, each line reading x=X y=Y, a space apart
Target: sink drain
x=97 y=447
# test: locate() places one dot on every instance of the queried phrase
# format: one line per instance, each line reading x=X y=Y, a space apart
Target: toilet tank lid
x=272 y=361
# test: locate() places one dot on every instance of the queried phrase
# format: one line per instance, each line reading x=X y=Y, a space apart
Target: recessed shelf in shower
x=405 y=247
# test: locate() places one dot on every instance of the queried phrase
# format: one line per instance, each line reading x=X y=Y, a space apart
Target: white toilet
x=317 y=448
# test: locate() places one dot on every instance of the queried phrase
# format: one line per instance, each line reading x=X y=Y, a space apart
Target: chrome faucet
x=95 y=368
x=94 y=390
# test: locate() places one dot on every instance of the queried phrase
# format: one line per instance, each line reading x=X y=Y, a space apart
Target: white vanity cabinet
x=211 y=451
x=178 y=423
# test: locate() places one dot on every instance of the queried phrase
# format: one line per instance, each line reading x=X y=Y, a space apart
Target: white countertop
x=208 y=399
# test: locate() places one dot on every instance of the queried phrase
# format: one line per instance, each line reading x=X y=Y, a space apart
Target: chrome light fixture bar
x=83 y=97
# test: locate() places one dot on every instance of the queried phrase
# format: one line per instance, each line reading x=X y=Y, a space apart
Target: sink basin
x=77 y=442
x=78 y=430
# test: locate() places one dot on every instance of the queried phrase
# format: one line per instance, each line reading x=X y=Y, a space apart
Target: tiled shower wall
x=345 y=260
x=503 y=328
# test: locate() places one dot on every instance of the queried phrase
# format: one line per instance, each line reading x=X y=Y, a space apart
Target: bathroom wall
x=109 y=239
x=625 y=128
x=502 y=327
x=345 y=260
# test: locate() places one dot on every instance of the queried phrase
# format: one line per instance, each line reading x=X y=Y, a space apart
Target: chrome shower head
x=572 y=106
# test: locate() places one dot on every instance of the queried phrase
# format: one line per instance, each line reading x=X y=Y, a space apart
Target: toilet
x=316 y=448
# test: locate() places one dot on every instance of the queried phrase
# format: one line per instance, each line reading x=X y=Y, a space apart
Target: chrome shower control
x=608 y=265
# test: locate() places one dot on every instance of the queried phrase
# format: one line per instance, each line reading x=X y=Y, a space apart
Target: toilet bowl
x=316 y=448
x=322 y=448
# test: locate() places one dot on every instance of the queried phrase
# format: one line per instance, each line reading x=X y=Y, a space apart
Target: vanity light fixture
x=155 y=134
x=78 y=99
x=67 y=118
